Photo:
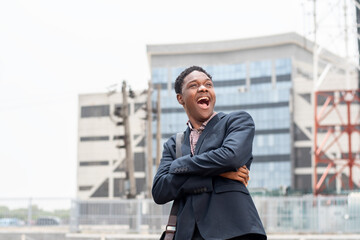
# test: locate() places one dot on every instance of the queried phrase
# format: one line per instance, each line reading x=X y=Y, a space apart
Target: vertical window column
x=273 y=74
x=247 y=76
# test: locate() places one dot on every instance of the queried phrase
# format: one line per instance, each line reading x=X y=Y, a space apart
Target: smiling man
x=197 y=96
x=209 y=180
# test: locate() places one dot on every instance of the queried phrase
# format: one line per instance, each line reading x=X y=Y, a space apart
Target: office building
x=269 y=77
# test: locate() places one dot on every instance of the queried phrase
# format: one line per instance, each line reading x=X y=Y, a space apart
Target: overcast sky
x=52 y=51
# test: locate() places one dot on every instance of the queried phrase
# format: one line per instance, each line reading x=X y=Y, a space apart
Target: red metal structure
x=336 y=139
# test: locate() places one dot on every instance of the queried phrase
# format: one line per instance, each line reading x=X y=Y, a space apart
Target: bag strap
x=171 y=225
x=179 y=141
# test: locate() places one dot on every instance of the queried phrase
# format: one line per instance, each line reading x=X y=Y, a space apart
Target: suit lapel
x=208 y=128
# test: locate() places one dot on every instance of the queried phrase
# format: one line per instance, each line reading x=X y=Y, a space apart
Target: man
x=208 y=181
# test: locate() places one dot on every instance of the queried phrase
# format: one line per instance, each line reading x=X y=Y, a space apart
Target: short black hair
x=180 y=79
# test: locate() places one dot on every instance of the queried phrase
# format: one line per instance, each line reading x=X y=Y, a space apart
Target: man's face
x=198 y=97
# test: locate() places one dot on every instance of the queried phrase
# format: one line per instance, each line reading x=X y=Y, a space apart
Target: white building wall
x=91 y=177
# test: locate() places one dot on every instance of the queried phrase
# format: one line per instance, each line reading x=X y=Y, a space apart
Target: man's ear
x=180 y=99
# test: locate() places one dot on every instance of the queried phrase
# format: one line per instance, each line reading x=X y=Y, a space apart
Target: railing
x=302 y=214
x=308 y=214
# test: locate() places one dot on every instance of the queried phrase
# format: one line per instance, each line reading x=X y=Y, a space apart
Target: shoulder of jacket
x=171 y=140
x=237 y=114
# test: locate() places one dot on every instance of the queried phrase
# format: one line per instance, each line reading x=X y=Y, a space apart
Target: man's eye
x=209 y=84
x=193 y=86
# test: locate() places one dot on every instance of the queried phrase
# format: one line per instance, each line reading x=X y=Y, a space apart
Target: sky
x=52 y=51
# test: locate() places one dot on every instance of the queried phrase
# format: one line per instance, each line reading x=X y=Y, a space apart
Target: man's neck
x=197 y=124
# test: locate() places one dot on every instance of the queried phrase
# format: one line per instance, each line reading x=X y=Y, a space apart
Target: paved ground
x=61 y=233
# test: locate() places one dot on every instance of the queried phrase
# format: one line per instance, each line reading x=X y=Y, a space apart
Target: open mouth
x=203 y=102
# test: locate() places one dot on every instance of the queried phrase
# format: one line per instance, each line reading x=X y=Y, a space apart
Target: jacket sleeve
x=235 y=151
x=167 y=186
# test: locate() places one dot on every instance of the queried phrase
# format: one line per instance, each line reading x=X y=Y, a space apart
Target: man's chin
x=206 y=114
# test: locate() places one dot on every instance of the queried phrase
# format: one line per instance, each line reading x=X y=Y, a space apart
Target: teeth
x=203 y=98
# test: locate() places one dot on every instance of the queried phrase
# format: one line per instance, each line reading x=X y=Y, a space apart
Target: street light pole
x=128 y=145
x=149 y=140
x=158 y=127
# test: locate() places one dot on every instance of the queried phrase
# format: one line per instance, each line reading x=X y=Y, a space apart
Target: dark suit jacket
x=221 y=208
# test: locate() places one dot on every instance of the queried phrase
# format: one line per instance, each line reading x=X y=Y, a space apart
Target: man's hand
x=241 y=175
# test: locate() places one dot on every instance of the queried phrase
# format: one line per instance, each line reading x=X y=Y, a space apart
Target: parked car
x=7 y=222
x=42 y=221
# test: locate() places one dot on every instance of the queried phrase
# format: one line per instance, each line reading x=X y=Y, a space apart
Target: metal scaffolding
x=336 y=139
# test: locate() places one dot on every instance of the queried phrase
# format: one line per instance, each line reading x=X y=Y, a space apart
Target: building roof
x=230 y=45
x=291 y=38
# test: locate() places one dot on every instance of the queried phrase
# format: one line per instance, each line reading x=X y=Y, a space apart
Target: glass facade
x=251 y=87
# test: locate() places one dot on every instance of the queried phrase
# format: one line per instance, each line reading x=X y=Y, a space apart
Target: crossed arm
x=170 y=184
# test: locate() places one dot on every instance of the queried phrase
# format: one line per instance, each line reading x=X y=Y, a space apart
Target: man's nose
x=202 y=88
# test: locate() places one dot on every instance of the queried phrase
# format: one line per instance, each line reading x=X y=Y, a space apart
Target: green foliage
x=3 y=210
x=35 y=211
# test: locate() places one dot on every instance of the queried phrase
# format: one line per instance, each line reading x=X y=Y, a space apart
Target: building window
x=303 y=182
x=119 y=187
x=283 y=66
x=227 y=72
x=260 y=69
x=260 y=141
x=95 y=138
x=120 y=106
x=103 y=190
x=299 y=135
x=159 y=75
x=175 y=72
x=95 y=111
x=140 y=185
x=119 y=137
x=94 y=163
x=139 y=161
x=270 y=175
x=85 y=188
x=139 y=106
x=303 y=157
x=271 y=141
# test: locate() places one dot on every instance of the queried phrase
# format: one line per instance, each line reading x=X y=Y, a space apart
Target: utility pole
x=314 y=102
x=346 y=41
x=158 y=127
x=128 y=147
x=357 y=7
x=149 y=141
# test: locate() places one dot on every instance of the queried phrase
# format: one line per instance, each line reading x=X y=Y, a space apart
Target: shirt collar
x=202 y=127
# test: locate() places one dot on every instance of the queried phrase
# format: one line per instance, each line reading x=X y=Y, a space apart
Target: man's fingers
x=245 y=167
x=243 y=175
x=242 y=180
x=243 y=170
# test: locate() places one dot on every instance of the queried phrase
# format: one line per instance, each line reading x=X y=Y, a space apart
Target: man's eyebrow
x=194 y=80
